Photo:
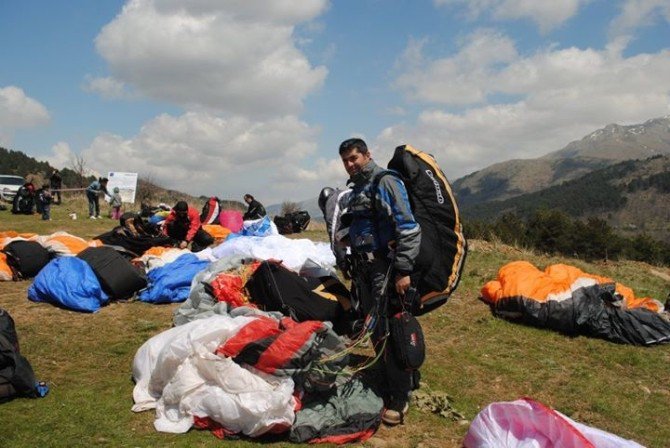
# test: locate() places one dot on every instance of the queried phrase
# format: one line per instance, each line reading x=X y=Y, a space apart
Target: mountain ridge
x=606 y=146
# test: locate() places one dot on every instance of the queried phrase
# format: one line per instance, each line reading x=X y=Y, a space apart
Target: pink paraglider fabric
x=231 y=219
x=526 y=423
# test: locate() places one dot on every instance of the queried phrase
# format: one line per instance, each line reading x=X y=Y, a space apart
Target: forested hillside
x=622 y=211
x=631 y=195
x=20 y=164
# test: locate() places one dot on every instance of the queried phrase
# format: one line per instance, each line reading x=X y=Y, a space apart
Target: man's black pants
x=369 y=280
x=178 y=229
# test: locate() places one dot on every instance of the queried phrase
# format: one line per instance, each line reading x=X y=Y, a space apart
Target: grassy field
x=475 y=358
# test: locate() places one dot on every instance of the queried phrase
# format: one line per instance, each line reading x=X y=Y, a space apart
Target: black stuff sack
x=26 y=258
x=409 y=344
x=118 y=277
x=17 y=378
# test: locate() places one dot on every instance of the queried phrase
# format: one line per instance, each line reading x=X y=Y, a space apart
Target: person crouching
x=183 y=225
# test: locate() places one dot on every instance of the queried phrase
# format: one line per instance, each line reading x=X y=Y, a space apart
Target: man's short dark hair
x=353 y=143
x=181 y=206
x=248 y=196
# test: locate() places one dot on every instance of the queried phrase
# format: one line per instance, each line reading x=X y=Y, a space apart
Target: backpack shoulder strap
x=375 y=184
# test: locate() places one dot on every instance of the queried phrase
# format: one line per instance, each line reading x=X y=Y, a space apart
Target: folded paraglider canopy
x=566 y=299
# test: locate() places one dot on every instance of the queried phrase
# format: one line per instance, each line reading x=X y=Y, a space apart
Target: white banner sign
x=126 y=182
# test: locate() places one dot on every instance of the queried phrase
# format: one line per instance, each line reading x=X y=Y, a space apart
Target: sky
x=226 y=97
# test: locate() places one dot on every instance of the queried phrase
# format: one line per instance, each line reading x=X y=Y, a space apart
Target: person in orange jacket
x=183 y=225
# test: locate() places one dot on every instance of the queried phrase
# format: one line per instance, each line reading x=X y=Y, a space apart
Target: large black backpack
x=118 y=277
x=16 y=374
x=299 y=220
x=284 y=225
x=443 y=246
x=26 y=258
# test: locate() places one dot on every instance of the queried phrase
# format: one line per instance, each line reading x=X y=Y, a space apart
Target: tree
x=510 y=229
x=288 y=207
x=478 y=230
x=595 y=239
x=147 y=189
x=79 y=166
x=550 y=231
x=644 y=248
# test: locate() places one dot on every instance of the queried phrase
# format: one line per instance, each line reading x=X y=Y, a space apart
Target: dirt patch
x=663 y=275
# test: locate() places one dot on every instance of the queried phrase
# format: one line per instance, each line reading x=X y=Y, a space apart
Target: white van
x=9 y=185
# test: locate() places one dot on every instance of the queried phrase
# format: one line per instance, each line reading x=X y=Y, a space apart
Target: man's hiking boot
x=395 y=413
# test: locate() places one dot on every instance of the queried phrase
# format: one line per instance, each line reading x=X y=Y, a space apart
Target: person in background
x=56 y=182
x=44 y=199
x=24 y=200
x=116 y=202
x=255 y=210
x=38 y=203
x=183 y=225
x=96 y=189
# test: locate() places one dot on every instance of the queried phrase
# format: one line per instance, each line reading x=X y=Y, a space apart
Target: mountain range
x=599 y=149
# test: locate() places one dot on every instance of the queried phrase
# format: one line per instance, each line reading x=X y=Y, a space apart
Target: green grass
x=475 y=358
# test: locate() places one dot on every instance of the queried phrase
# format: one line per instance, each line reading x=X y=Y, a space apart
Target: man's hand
x=183 y=244
x=344 y=266
x=402 y=284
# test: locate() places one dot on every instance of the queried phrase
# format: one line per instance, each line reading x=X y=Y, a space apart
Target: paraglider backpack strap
x=375 y=186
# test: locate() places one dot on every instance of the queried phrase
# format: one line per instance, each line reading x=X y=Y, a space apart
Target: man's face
x=182 y=214
x=354 y=160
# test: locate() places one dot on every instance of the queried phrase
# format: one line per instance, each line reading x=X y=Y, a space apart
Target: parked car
x=9 y=185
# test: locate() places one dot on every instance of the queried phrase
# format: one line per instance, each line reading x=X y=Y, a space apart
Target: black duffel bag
x=26 y=258
x=118 y=277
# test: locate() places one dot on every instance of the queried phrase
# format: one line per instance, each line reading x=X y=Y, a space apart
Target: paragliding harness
x=402 y=327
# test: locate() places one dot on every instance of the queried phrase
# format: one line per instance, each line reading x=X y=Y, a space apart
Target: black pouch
x=408 y=343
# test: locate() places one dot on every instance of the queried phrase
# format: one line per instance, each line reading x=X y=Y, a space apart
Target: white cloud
x=461 y=79
x=17 y=110
x=238 y=57
x=547 y=15
x=559 y=95
x=326 y=171
x=107 y=87
x=61 y=156
x=639 y=13
x=201 y=153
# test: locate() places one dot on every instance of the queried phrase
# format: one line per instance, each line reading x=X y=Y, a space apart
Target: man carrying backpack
x=385 y=240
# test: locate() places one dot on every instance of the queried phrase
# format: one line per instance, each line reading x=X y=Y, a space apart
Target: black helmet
x=323 y=198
